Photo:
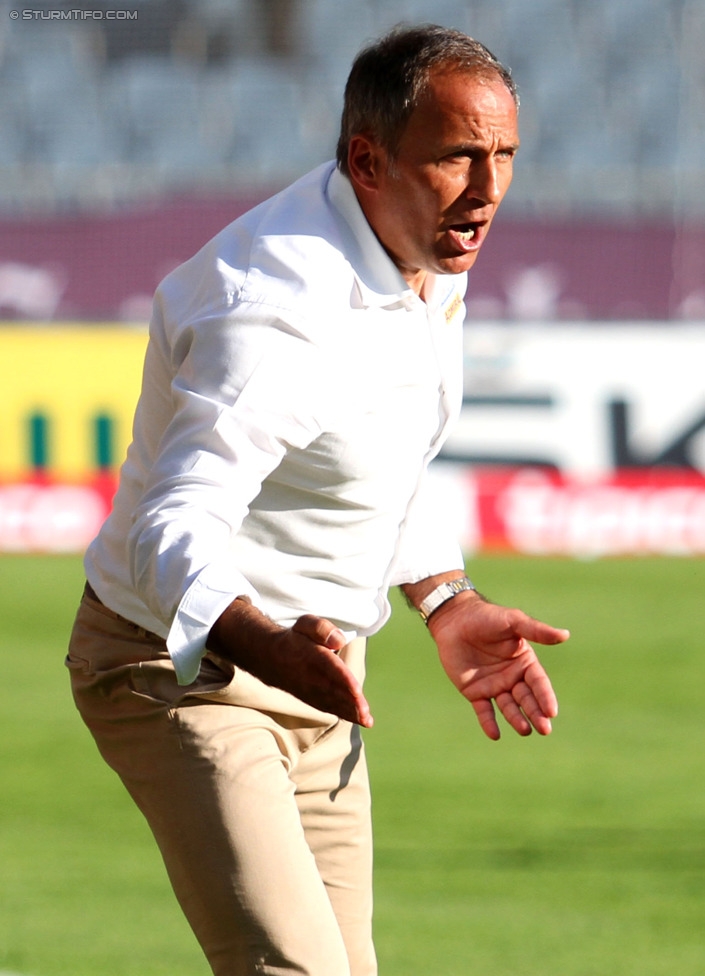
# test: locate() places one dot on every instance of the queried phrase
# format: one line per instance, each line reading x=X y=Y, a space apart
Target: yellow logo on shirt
x=453 y=308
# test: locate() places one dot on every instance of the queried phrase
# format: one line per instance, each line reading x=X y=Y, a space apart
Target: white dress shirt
x=295 y=390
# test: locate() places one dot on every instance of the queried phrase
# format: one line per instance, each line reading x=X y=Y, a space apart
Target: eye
x=460 y=157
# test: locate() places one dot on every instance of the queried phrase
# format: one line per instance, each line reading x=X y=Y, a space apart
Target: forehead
x=458 y=100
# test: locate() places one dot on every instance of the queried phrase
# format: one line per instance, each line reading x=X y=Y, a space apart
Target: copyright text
x=73 y=15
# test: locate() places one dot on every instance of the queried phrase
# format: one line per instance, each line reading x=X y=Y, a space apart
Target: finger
x=353 y=706
x=345 y=702
x=541 y=690
x=486 y=718
x=537 y=631
x=530 y=708
x=512 y=712
x=350 y=689
x=364 y=715
x=332 y=687
x=323 y=679
x=320 y=630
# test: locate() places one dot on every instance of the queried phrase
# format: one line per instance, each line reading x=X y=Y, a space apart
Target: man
x=302 y=371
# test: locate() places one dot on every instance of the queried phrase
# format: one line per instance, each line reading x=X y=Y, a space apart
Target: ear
x=366 y=160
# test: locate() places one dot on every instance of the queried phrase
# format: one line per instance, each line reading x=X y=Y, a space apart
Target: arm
x=300 y=659
x=224 y=399
x=484 y=649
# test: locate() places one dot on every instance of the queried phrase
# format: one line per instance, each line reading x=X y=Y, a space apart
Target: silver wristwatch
x=446 y=591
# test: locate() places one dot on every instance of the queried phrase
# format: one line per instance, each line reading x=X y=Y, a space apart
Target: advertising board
x=575 y=439
x=582 y=439
x=67 y=395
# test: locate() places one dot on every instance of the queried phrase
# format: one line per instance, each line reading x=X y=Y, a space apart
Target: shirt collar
x=379 y=280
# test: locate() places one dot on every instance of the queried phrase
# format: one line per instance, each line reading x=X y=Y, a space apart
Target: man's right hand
x=301 y=659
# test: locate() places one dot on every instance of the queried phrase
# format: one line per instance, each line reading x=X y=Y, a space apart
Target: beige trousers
x=259 y=803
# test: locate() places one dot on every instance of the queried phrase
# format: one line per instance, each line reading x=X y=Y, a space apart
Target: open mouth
x=466 y=232
x=466 y=236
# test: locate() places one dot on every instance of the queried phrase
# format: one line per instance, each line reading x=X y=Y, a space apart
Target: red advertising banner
x=523 y=510
x=41 y=516
x=540 y=512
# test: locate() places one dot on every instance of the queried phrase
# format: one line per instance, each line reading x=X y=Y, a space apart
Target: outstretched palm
x=484 y=649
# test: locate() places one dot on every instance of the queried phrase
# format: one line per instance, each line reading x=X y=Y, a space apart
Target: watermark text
x=73 y=15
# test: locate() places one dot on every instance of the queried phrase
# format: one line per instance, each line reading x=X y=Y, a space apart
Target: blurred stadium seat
x=205 y=94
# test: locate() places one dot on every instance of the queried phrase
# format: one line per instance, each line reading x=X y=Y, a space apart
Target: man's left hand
x=485 y=651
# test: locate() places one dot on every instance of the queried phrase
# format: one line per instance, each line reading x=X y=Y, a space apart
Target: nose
x=484 y=182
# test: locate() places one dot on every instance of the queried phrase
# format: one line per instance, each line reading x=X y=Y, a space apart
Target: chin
x=457 y=264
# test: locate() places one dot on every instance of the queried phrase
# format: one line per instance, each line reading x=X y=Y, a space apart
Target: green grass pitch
x=580 y=854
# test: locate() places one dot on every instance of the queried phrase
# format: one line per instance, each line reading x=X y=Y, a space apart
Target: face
x=433 y=205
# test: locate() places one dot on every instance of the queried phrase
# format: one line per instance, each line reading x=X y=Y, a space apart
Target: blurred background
x=133 y=130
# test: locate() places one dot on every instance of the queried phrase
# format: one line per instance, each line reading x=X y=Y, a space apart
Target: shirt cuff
x=442 y=559
x=213 y=590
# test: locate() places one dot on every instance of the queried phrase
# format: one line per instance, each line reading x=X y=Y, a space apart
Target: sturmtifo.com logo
x=73 y=14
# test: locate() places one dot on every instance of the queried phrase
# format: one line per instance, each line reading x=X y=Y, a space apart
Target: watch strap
x=441 y=594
